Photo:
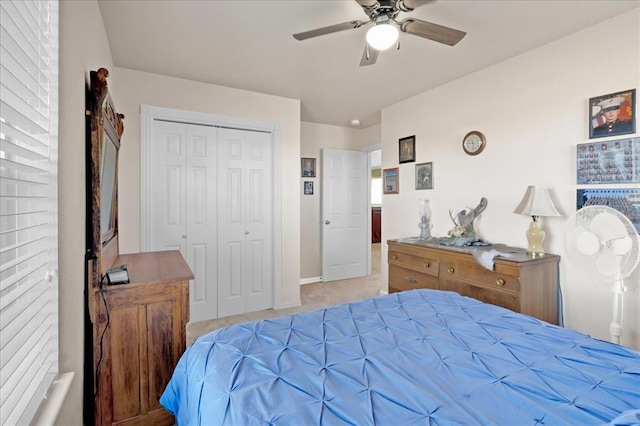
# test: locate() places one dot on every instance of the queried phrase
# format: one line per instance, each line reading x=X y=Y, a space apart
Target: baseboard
x=311 y=280
x=290 y=305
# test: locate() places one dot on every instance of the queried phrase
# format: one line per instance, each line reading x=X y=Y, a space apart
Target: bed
x=414 y=357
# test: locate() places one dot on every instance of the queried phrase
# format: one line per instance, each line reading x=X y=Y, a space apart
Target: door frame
x=369 y=149
x=149 y=113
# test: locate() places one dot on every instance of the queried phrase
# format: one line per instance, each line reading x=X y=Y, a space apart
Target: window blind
x=28 y=207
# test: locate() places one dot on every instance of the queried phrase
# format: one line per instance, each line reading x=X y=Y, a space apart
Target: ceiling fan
x=384 y=34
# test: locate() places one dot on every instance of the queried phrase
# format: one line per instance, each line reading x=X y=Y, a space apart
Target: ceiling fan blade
x=431 y=31
x=409 y=5
x=367 y=4
x=328 y=30
x=369 y=56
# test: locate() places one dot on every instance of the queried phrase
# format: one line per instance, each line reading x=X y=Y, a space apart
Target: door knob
x=184 y=236
x=326 y=222
x=246 y=232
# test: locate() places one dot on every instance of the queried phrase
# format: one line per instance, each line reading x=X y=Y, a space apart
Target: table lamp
x=536 y=203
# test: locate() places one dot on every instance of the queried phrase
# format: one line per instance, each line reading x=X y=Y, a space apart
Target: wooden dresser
x=519 y=283
x=139 y=334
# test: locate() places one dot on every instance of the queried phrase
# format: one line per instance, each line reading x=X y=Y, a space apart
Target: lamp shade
x=537 y=202
x=382 y=36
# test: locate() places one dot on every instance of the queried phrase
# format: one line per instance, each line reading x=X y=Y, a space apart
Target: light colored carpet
x=313 y=296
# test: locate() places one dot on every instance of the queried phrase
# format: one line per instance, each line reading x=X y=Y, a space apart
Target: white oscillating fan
x=603 y=243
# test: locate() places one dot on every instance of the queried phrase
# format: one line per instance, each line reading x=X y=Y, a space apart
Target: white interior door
x=183 y=199
x=245 y=222
x=345 y=214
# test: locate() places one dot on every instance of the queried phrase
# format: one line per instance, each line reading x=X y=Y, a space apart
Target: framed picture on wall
x=308 y=188
x=390 y=181
x=612 y=114
x=308 y=167
x=424 y=176
x=607 y=162
x=407 y=150
x=625 y=200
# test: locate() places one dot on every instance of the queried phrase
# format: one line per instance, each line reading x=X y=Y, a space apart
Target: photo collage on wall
x=625 y=200
x=611 y=162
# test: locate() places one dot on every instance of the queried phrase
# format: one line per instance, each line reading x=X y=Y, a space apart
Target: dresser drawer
x=505 y=299
x=421 y=264
x=401 y=279
x=477 y=275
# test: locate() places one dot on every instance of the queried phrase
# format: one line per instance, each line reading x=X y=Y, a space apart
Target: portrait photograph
x=407 y=150
x=308 y=188
x=424 y=176
x=612 y=114
x=308 y=167
x=390 y=181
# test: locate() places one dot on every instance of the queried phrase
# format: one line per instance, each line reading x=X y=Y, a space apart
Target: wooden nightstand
x=145 y=337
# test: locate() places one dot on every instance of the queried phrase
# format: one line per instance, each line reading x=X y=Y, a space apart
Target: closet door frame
x=149 y=113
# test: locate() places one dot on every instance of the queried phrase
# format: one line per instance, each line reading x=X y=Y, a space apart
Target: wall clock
x=473 y=142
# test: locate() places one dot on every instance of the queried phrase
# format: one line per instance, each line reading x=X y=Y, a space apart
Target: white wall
x=133 y=88
x=314 y=137
x=533 y=109
x=83 y=47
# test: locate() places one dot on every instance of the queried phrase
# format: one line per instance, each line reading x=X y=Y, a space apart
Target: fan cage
x=582 y=219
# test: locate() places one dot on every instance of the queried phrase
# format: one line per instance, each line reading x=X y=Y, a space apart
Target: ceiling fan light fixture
x=382 y=36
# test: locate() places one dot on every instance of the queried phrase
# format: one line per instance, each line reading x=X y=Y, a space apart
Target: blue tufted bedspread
x=416 y=357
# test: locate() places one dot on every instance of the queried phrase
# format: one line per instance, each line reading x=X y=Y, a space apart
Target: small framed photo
x=308 y=167
x=390 y=181
x=612 y=114
x=308 y=188
x=424 y=176
x=407 y=150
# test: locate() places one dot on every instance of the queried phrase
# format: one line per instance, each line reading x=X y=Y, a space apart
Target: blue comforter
x=416 y=357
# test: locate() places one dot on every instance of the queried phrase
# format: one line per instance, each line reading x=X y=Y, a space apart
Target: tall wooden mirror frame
x=102 y=166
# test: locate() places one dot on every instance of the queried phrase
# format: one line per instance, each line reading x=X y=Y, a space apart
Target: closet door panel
x=231 y=223
x=201 y=222
x=259 y=222
x=244 y=221
x=168 y=187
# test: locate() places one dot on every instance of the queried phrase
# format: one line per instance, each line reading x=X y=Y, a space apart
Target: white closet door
x=183 y=205
x=201 y=219
x=167 y=175
x=245 y=229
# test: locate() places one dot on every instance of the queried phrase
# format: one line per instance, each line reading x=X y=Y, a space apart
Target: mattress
x=415 y=357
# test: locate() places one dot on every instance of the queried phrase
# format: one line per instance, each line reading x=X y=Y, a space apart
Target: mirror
x=108 y=176
x=102 y=177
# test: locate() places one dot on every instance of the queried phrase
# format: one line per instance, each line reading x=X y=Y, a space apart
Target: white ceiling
x=249 y=45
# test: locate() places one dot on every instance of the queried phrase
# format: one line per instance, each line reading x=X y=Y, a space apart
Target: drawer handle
x=394 y=257
x=500 y=281
x=451 y=270
x=426 y=264
x=411 y=280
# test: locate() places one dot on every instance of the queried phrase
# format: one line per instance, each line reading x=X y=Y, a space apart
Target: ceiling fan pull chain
x=367 y=50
